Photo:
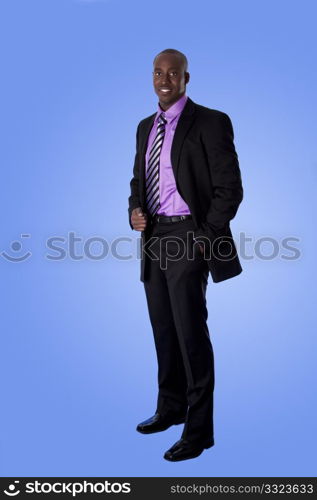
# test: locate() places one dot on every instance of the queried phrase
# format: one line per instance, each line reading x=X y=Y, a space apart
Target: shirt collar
x=171 y=113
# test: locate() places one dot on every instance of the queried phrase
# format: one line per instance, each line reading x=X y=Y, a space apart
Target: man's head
x=170 y=76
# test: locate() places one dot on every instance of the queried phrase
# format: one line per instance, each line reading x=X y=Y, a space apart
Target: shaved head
x=177 y=53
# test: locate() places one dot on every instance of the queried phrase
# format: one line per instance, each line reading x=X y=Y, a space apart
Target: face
x=169 y=79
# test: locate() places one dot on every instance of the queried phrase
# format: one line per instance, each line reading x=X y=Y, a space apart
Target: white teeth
x=165 y=90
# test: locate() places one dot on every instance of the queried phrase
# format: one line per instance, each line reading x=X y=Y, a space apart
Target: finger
x=138 y=220
x=139 y=216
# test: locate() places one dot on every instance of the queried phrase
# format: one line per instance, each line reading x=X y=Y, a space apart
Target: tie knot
x=162 y=120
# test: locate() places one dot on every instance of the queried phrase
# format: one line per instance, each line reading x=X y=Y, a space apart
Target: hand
x=138 y=219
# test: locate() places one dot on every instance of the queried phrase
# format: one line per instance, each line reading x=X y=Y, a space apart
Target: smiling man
x=185 y=189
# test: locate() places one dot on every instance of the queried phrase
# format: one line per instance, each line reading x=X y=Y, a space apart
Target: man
x=186 y=187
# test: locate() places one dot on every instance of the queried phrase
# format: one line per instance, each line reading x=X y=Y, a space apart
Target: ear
x=187 y=76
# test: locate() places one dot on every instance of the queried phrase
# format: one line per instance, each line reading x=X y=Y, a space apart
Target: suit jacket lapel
x=183 y=125
x=143 y=147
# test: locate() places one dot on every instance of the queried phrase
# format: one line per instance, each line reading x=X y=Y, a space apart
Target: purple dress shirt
x=171 y=202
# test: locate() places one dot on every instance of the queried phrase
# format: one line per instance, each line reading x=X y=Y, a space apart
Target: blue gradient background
x=78 y=365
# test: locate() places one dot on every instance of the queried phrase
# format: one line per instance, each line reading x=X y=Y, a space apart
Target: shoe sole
x=182 y=421
x=195 y=455
x=209 y=444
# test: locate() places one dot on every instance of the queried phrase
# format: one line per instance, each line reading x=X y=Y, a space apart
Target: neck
x=165 y=107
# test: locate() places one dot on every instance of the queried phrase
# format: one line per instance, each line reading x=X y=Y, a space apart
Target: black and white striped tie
x=152 y=174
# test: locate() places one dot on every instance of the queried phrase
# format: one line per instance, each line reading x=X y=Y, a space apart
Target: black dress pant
x=175 y=286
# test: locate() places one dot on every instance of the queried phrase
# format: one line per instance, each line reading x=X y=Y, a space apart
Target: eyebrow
x=169 y=68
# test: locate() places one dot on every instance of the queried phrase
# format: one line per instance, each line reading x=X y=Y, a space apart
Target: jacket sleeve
x=225 y=174
x=134 y=200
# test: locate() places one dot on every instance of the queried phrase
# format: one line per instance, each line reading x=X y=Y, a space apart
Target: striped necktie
x=152 y=174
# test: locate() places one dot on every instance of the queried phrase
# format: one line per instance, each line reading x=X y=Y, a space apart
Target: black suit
x=208 y=178
x=207 y=175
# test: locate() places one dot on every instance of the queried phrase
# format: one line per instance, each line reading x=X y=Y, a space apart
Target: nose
x=165 y=78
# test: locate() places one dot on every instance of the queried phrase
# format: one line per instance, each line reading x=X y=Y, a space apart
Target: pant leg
x=187 y=281
x=172 y=380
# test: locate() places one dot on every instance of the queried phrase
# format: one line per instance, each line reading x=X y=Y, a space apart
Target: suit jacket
x=207 y=175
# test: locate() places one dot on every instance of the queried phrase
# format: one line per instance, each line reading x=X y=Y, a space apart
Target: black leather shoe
x=183 y=450
x=159 y=423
